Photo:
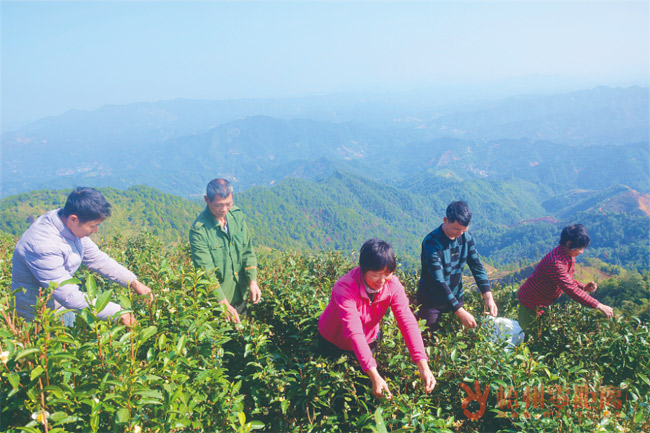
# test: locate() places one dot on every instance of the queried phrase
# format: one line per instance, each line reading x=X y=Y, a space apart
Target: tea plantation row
x=184 y=369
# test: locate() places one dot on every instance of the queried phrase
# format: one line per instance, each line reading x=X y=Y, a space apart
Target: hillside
x=618 y=199
x=552 y=164
x=341 y=211
x=628 y=202
x=617 y=239
x=135 y=210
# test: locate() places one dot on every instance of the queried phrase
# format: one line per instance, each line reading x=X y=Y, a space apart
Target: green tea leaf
x=14 y=380
x=148 y=333
x=379 y=419
x=26 y=352
x=181 y=343
x=125 y=302
x=91 y=287
x=122 y=415
x=151 y=393
x=36 y=372
x=644 y=378
x=103 y=300
x=256 y=425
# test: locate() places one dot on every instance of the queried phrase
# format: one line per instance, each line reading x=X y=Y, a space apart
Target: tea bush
x=183 y=368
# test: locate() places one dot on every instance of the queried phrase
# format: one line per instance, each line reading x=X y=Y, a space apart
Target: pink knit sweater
x=352 y=322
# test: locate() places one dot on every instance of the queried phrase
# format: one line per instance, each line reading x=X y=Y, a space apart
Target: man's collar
x=442 y=230
x=60 y=225
x=213 y=220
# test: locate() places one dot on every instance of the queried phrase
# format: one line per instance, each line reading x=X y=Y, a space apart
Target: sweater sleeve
x=406 y=322
x=48 y=266
x=558 y=275
x=476 y=267
x=352 y=328
x=101 y=263
x=249 y=260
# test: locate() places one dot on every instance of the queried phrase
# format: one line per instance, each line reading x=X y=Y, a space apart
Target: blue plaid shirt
x=443 y=260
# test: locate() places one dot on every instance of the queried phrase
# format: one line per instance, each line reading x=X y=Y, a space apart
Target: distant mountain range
x=600 y=116
x=330 y=172
x=590 y=139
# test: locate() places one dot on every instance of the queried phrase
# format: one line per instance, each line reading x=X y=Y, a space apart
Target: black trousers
x=331 y=350
x=431 y=313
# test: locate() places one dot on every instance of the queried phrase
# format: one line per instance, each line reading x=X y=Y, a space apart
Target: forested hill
x=134 y=210
x=341 y=211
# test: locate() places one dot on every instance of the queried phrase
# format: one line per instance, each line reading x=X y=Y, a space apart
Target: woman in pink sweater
x=360 y=298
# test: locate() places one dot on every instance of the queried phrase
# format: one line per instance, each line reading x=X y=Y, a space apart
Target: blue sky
x=58 y=56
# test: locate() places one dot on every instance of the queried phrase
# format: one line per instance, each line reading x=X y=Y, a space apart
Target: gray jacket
x=48 y=251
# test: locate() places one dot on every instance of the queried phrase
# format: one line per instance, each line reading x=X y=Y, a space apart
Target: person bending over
x=553 y=276
x=351 y=321
x=53 y=248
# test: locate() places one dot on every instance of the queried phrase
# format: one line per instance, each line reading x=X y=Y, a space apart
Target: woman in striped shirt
x=553 y=276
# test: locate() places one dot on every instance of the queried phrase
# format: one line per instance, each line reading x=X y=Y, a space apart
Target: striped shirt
x=443 y=260
x=552 y=276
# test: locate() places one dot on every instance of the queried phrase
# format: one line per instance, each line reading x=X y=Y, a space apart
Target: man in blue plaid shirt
x=445 y=251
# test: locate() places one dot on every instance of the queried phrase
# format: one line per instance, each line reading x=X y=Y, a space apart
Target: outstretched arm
x=559 y=275
x=428 y=380
x=606 y=310
x=379 y=386
x=490 y=305
x=142 y=290
x=249 y=263
x=480 y=276
x=48 y=266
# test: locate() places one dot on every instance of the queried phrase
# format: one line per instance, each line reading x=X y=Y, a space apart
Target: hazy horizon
x=59 y=56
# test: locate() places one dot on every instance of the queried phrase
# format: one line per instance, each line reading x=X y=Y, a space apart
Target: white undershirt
x=371 y=293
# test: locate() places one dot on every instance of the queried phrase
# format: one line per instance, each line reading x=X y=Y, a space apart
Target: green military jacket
x=230 y=255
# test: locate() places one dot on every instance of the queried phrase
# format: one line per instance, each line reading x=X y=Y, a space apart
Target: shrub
x=183 y=368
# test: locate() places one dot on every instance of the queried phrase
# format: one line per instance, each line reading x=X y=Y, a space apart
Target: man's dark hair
x=577 y=235
x=377 y=255
x=218 y=187
x=87 y=204
x=459 y=211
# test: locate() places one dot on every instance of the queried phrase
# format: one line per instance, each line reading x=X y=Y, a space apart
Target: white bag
x=508 y=330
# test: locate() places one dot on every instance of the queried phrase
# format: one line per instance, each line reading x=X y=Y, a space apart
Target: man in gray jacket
x=54 y=247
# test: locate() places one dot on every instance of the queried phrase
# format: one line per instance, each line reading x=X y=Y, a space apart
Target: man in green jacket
x=221 y=242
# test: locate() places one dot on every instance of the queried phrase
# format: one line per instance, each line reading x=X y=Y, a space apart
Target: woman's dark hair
x=459 y=211
x=87 y=204
x=576 y=234
x=377 y=255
